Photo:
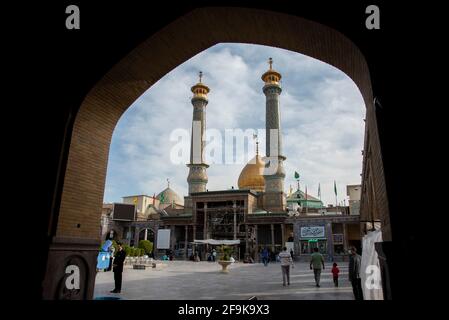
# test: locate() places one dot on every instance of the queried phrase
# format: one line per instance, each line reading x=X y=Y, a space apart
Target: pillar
x=205 y=230
x=172 y=237
x=246 y=241
x=66 y=252
x=330 y=241
x=345 y=237
x=257 y=243
x=186 y=240
x=136 y=236
x=155 y=250
x=272 y=236
x=283 y=234
x=194 y=237
x=235 y=219
x=297 y=238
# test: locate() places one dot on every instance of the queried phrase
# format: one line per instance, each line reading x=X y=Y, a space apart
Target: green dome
x=300 y=197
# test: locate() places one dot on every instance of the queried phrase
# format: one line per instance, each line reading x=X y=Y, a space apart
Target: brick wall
x=374 y=200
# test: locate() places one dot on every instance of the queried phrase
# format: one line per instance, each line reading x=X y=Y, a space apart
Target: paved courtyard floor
x=187 y=280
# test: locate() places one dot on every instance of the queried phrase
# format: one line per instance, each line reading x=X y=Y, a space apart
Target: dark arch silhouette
x=78 y=217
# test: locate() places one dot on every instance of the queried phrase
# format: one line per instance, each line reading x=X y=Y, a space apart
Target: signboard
x=124 y=212
x=163 y=239
x=312 y=232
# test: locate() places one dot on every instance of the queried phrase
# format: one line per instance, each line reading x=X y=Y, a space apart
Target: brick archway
x=78 y=222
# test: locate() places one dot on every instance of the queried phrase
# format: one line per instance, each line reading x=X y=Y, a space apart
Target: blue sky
x=322 y=114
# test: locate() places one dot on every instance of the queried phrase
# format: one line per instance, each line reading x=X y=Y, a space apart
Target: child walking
x=335 y=272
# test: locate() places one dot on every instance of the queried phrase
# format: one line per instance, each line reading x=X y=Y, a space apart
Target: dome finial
x=200 y=90
x=271 y=76
x=257 y=143
x=168 y=183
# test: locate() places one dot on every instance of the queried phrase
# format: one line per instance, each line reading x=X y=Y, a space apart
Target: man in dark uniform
x=119 y=259
x=354 y=273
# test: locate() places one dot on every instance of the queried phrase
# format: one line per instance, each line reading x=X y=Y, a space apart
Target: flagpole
x=319 y=194
x=307 y=207
x=335 y=190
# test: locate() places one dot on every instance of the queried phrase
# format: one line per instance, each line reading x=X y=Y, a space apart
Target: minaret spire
x=197 y=177
x=274 y=175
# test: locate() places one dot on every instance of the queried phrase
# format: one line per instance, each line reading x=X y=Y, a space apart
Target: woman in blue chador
x=104 y=256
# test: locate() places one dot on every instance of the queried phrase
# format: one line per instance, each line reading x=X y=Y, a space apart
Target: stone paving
x=186 y=280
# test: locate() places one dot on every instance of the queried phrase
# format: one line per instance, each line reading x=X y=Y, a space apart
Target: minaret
x=274 y=199
x=197 y=177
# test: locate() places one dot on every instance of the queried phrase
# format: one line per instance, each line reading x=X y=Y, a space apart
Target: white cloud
x=321 y=114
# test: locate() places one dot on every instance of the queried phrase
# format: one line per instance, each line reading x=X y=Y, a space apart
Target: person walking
x=335 y=272
x=316 y=262
x=286 y=262
x=265 y=256
x=119 y=259
x=291 y=253
x=354 y=273
x=214 y=255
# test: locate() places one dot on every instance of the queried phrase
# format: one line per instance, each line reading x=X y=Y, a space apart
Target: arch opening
x=85 y=174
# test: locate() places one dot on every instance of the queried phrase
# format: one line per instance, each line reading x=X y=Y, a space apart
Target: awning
x=217 y=242
x=313 y=239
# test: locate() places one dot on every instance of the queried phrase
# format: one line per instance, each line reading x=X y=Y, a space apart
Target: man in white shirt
x=286 y=262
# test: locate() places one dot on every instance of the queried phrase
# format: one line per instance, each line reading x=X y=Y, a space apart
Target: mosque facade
x=258 y=214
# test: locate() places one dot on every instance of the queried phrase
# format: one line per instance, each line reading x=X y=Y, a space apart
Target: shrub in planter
x=128 y=250
x=147 y=246
x=225 y=252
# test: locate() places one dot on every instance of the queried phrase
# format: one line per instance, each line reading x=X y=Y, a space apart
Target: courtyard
x=187 y=280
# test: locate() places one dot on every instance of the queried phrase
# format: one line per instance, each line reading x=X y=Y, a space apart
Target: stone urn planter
x=224 y=265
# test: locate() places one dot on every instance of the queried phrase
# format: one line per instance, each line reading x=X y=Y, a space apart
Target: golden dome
x=251 y=176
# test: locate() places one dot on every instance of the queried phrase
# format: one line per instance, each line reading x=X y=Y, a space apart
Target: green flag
x=296 y=175
x=335 y=187
x=162 y=198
